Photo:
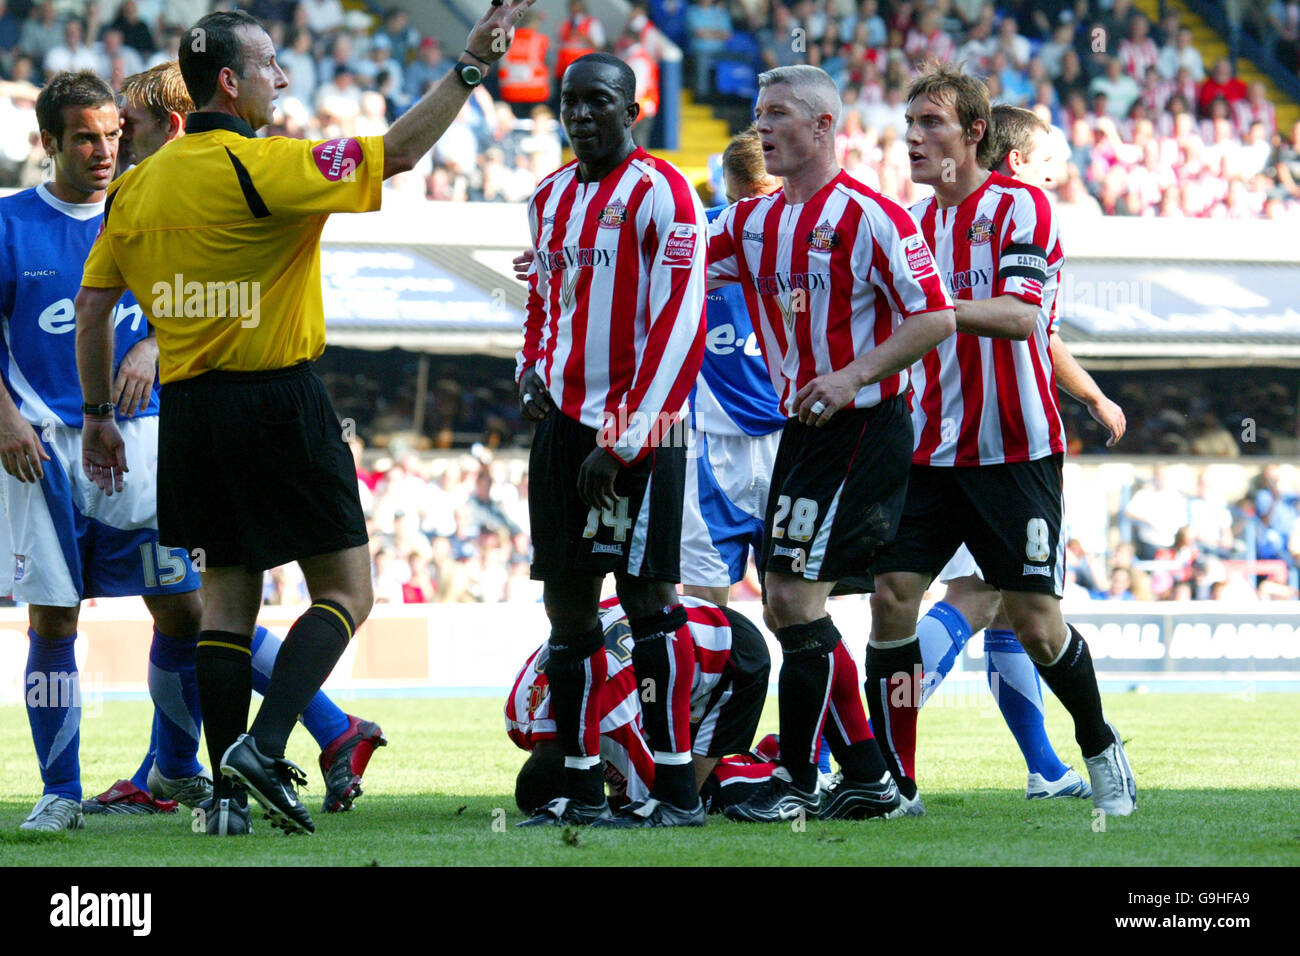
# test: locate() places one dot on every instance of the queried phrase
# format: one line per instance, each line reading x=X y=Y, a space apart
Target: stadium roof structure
x=423 y=298
x=1174 y=313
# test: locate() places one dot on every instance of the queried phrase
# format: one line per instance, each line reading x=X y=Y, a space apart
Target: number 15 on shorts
x=163 y=566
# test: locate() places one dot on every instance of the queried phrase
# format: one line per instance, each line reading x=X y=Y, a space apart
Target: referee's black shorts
x=642 y=537
x=253 y=470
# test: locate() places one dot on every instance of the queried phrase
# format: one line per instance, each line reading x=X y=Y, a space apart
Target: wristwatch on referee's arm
x=471 y=74
x=102 y=410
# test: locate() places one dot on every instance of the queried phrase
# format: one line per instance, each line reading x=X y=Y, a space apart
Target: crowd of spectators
x=1200 y=544
x=1142 y=127
x=351 y=73
x=1202 y=413
x=453 y=528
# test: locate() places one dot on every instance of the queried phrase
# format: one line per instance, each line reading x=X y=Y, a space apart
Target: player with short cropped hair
x=613 y=341
x=154 y=105
x=989 y=439
x=845 y=297
x=70 y=540
x=227 y=225
x=1020 y=149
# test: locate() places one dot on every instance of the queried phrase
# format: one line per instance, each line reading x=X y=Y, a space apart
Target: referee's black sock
x=313 y=646
x=1074 y=682
x=223 y=665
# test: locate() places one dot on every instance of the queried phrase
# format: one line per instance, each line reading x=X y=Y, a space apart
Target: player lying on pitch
x=727 y=694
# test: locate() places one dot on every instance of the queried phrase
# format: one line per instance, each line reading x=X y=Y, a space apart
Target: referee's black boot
x=273 y=781
x=224 y=816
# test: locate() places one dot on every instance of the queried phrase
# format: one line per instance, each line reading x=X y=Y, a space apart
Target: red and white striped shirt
x=825 y=281
x=980 y=400
x=622 y=741
x=1136 y=57
x=615 y=321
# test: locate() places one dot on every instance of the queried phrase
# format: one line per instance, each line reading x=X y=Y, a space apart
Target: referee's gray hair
x=810 y=85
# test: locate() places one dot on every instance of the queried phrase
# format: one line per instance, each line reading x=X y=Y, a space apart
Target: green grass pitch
x=1218 y=784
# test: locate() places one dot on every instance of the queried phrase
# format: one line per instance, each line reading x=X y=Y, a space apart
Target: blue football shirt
x=734 y=394
x=43 y=247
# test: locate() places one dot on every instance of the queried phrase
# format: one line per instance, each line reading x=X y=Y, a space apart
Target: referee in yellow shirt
x=218 y=236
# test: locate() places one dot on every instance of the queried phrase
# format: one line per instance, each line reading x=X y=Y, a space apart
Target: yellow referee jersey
x=218 y=236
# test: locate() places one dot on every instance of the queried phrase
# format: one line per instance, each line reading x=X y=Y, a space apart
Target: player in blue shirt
x=71 y=541
x=736 y=420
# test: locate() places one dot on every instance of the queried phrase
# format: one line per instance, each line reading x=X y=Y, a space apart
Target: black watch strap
x=101 y=410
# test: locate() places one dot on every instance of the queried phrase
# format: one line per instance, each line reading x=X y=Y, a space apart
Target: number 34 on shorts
x=616 y=519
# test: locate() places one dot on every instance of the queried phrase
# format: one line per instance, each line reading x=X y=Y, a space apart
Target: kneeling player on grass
x=727 y=691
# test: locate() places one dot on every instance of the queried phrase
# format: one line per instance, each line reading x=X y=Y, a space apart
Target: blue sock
x=52 y=691
x=322 y=717
x=824 y=756
x=141 y=776
x=942 y=633
x=175 y=693
x=1013 y=678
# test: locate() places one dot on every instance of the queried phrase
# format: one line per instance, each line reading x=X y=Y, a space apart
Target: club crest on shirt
x=980 y=232
x=823 y=237
x=20 y=566
x=613 y=215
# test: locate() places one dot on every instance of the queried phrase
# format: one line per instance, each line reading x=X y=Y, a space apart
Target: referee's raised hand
x=415 y=131
x=495 y=30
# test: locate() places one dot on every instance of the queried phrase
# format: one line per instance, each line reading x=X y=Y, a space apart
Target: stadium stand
x=1156 y=118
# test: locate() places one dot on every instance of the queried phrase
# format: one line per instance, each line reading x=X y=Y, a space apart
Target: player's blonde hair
x=810 y=85
x=160 y=90
x=742 y=160
x=1013 y=127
